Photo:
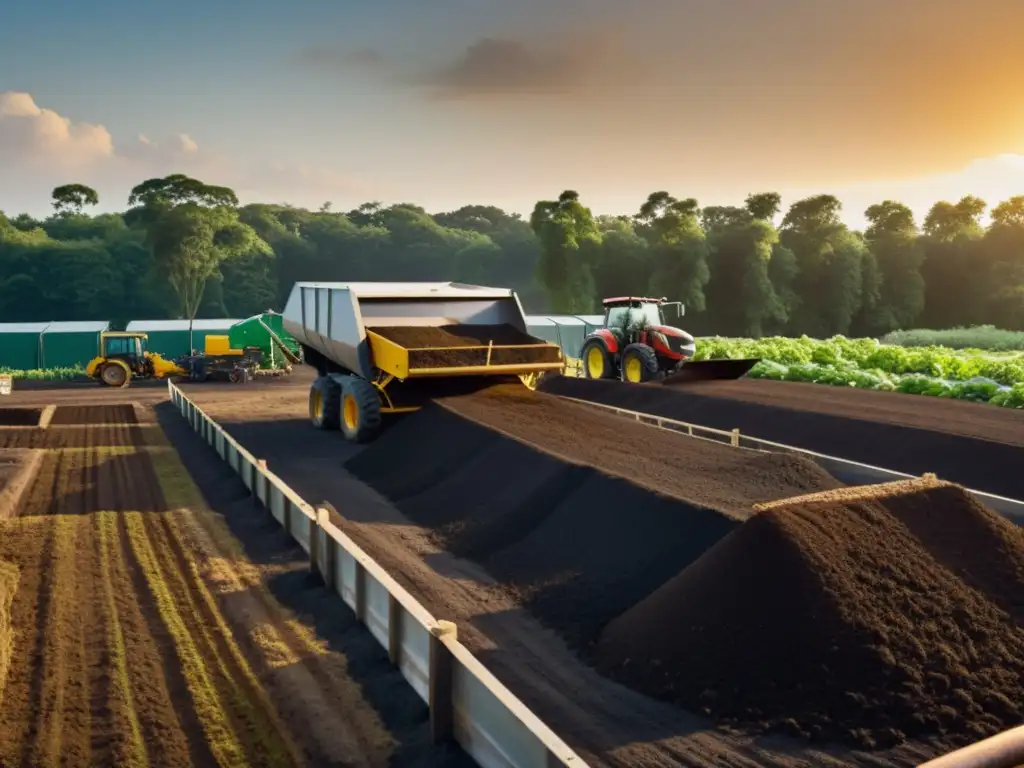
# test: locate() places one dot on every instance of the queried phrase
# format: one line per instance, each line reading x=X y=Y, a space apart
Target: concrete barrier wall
x=467 y=703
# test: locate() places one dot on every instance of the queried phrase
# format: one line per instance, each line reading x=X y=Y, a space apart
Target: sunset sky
x=449 y=102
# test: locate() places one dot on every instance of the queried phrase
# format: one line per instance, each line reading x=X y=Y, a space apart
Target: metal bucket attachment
x=710 y=370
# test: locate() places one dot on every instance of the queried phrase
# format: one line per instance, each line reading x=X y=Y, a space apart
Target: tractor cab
x=631 y=312
x=127 y=347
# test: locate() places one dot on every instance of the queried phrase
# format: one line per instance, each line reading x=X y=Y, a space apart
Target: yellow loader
x=123 y=357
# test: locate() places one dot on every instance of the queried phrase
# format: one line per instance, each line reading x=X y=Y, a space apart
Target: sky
x=452 y=102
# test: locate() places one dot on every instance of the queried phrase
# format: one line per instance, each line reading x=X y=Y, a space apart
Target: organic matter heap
x=866 y=615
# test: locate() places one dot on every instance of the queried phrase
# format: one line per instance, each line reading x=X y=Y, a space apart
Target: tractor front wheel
x=114 y=375
x=639 y=364
x=597 y=363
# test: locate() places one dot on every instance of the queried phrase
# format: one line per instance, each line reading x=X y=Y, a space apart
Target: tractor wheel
x=360 y=410
x=114 y=375
x=639 y=364
x=597 y=363
x=325 y=403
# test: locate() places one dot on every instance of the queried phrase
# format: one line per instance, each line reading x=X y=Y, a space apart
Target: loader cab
x=129 y=347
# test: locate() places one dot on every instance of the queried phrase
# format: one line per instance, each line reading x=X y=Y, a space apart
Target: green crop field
x=938 y=371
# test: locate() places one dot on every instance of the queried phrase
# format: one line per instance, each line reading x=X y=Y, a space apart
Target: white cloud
x=42 y=138
x=41 y=149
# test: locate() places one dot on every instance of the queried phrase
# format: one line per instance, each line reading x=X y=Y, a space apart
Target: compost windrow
x=978 y=446
x=578 y=514
x=438 y=346
x=868 y=615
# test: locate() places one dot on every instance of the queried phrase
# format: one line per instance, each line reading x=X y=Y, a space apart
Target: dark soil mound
x=973 y=449
x=445 y=341
x=579 y=514
x=843 y=616
x=20 y=417
x=93 y=414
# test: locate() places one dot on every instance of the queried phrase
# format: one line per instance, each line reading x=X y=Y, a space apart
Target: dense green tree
x=191 y=228
x=741 y=298
x=569 y=243
x=679 y=249
x=837 y=275
x=72 y=198
x=953 y=292
x=184 y=247
x=892 y=238
x=1001 y=274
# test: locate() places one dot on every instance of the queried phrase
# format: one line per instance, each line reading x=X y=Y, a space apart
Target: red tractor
x=636 y=345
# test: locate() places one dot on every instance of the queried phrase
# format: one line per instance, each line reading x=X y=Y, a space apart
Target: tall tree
x=832 y=262
x=954 y=293
x=741 y=298
x=1002 y=274
x=191 y=228
x=679 y=249
x=569 y=239
x=893 y=239
x=72 y=198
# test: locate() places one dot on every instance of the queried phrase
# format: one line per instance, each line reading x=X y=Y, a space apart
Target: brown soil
x=866 y=615
x=141 y=637
x=974 y=445
x=93 y=414
x=607 y=723
x=20 y=417
x=448 y=339
x=580 y=514
x=73 y=437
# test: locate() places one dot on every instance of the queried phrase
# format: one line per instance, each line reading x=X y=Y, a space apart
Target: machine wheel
x=639 y=364
x=325 y=403
x=597 y=363
x=360 y=410
x=114 y=375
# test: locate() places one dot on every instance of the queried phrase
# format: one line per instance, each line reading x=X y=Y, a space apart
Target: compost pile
x=438 y=346
x=577 y=514
x=864 y=615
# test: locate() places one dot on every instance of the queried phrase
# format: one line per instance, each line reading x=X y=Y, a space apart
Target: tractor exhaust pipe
x=710 y=370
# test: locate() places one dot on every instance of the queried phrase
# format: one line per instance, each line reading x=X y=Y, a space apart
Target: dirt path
x=140 y=633
x=975 y=445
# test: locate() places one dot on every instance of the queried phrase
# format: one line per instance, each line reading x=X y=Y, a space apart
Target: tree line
x=185 y=249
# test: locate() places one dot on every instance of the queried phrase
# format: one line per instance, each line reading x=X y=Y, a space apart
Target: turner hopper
x=388 y=347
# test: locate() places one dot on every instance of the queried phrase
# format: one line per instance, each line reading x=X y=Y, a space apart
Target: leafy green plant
x=45 y=374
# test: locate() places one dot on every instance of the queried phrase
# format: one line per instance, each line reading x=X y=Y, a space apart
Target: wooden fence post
x=441 y=687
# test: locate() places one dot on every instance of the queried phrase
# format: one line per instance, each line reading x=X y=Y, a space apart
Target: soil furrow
x=191 y=650
x=129 y=749
x=170 y=715
x=255 y=717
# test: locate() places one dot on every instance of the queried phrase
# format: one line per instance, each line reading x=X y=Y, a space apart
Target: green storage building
x=21 y=345
x=70 y=344
x=567 y=331
x=170 y=338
